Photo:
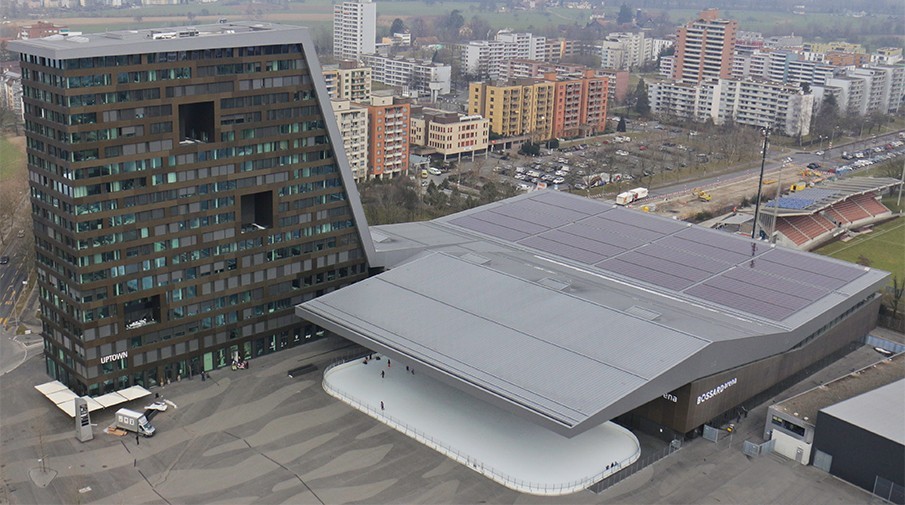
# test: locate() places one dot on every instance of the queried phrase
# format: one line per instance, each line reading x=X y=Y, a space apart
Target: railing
x=635 y=467
x=512 y=482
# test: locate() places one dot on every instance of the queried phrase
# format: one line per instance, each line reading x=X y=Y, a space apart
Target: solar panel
x=654 y=277
x=602 y=235
x=564 y=250
x=602 y=223
x=644 y=221
x=692 y=260
x=585 y=243
x=723 y=240
x=755 y=277
x=493 y=230
x=771 y=296
x=540 y=213
x=821 y=281
x=713 y=253
x=740 y=302
x=510 y=222
x=815 y=264
x=672 y=268
x=559 y=199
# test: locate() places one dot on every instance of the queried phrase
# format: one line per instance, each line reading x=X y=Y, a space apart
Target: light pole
x=760 y=180
x=772 y=237
x=832 y=138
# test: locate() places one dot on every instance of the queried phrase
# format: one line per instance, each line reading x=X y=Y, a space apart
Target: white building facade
x=421 y=77
x=354 y=29
x=353 y=126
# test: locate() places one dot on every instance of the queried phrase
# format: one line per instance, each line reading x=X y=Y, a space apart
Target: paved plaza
x=260 y=436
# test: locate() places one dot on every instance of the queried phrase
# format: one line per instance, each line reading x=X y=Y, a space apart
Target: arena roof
x=810 y=200
x=575 y=311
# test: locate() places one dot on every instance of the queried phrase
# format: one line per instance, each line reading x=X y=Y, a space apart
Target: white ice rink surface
x=502 y=446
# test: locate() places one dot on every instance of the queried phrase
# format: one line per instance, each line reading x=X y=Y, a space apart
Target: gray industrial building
x=573 y=312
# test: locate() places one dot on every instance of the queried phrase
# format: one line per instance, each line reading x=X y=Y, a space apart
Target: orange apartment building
x=579 y=104
x=704 y=48
x=388 y=128
x=845 y=59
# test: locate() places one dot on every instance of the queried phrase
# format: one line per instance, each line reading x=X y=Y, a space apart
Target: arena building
x=573 y=312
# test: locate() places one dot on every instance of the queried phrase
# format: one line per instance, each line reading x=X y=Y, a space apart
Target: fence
x=512 y=482
x=757 y=450
x=886 y=491
x=635 y=467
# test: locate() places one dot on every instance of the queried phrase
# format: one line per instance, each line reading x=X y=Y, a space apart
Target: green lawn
x=11 y=159
x=883 y=247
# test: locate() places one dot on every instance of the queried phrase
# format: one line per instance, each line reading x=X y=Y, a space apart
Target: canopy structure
x=62 y=397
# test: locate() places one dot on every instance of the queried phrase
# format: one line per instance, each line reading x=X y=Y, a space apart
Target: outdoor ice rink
x=496 y=443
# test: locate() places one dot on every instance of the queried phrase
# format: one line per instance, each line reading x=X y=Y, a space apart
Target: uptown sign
x=114 y=357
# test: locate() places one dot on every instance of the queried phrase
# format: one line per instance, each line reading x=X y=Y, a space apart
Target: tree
x=398 y=26
x=621 y=126
x=642 y=103
x=529 y=149
x=625 y=15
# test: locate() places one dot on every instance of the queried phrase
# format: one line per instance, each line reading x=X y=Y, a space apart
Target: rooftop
x=880 y=411
x=806 y=405
x=182 y=38
x=575 y=311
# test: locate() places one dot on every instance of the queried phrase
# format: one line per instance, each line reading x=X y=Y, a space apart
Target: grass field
x=11 y=158
x=884 y=247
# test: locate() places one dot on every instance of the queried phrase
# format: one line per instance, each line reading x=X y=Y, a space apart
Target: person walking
x=388 y=362
x=382 y=373
x=136 y=440
x=381 y=405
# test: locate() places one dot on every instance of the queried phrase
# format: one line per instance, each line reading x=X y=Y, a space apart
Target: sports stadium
x=814 y=216
x=570 y=313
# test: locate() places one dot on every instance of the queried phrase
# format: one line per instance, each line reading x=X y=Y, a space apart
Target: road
x=12 y=277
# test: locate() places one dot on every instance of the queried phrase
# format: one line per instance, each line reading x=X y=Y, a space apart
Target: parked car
x=4 y=260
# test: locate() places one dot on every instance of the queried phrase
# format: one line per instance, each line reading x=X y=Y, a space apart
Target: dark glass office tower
x=186 y=196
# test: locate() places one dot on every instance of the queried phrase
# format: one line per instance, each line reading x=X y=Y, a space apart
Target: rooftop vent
x=376 y=236
x=476 y=259
x=78 y=39
x=642 y=313
x=557 y=284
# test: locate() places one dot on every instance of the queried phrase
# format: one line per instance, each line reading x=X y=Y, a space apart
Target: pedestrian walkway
x=498 y=444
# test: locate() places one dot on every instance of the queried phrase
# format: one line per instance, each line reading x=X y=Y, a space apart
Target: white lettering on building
x=671 y=397
x=717 y=390
x=114 y=357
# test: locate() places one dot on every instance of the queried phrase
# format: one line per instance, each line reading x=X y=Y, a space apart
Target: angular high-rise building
x=354 y=29
x=704 y=48
x=187 y=192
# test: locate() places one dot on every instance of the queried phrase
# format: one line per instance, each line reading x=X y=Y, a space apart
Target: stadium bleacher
x=871 y=205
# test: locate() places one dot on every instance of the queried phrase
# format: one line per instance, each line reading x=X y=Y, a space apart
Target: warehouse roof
x=881 y=411
x=576 y=311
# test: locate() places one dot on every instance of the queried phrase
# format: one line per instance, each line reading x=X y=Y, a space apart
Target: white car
x=622 y=153
x=434 y=171
x=158 y=405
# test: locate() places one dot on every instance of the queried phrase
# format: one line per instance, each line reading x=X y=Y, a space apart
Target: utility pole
x=760 y=180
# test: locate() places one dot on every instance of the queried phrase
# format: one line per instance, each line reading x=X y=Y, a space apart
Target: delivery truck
x=632 y=195
x=136 y=422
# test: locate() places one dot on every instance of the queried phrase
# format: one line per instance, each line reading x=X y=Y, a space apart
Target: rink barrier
x=521 y=485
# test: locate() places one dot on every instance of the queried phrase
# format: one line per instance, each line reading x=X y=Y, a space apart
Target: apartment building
x=11 y=93
x=449 y=134
x=348 y=80
x=780 y=66
x=352 y=120
x=872 y=88
x=617 y=85
x=704 y=48
x=354 y=29
x=579 y=104
x=629 y=50
x=415 y=77
x=522 y=107
x=886 y=56
x=488 y=58
x=388 y=135
x=783 y=107
x=186 y=194
x=41 y=29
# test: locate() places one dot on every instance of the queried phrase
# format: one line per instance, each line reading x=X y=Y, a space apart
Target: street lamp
x=760 y=180
x=832 y=137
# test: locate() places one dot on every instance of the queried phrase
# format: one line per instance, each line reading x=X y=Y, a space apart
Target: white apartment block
x=354 y=29
x=348 y=80
x=488 y=58
x=780 y=66
x=353 y=126
x=628 y=50
x=11 y=93
x=753 y=103
x=667 y=66
x=421 y=77
x=872 y=88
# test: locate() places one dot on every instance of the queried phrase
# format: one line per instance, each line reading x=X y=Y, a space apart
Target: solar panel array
x=804 y=198
x=728 y=270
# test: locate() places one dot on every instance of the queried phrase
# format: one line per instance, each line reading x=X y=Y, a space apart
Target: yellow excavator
x=702 y=195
